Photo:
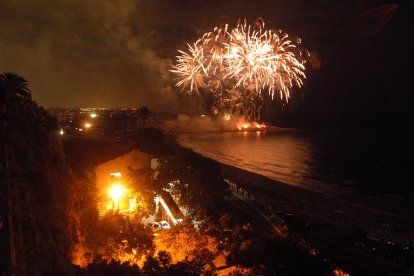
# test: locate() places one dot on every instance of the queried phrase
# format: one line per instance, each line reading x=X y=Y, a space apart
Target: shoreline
x=298 y=197
x=398 y=201
x=250 y=129
x=353 y=236
x=338 y=223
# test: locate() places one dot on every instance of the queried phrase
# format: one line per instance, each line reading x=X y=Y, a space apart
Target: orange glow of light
x=340 y=272
x=260 y=125
x=254 y=125
x=313 y=251
x=116 y=174
x=87 y=125
x=116 y=192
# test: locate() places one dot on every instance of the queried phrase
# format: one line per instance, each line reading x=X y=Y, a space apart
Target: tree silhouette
x=145 y=114
x=41 y=197
x=12 y=85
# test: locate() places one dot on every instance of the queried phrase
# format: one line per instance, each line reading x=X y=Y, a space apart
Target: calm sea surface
x=300 y=159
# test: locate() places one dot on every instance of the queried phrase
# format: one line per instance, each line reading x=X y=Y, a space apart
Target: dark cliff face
x=39 y=183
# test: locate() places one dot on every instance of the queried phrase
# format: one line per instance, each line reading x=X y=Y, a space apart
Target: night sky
x=117 y=53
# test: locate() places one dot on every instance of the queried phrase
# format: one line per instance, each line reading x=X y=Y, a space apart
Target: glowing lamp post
x=116 y=192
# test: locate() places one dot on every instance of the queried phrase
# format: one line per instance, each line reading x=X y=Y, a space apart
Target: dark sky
x=117 y=53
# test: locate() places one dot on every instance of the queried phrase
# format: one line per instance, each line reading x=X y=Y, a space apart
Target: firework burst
x=245 y=59
x=264 y=60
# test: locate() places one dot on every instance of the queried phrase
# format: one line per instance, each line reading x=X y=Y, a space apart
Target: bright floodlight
x=87 y=125
x=116 y=192
x=93 y=115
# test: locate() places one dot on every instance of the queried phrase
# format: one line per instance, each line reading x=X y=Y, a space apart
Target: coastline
x=336 y=222
x=250 y=129
x=317 y=205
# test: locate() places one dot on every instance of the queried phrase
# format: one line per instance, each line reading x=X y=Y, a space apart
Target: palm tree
x=144 y=113
x=12 y=85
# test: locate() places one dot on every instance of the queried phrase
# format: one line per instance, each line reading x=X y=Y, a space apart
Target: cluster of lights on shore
x=244 y=125
x=86 y=125
x=244 y=59
x=251 y=125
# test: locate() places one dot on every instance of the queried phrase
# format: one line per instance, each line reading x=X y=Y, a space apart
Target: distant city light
x=93 y=115
x=88 y=125
x=61 y=132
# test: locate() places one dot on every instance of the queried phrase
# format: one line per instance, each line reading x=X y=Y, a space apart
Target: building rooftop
x=92 y=152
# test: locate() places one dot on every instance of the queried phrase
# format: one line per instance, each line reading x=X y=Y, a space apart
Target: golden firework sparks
x=244 y=59
x=263 y=59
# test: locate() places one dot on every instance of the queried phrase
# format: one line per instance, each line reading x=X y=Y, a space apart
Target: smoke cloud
x=82 y=53
x=204 y=123
x=118 y=53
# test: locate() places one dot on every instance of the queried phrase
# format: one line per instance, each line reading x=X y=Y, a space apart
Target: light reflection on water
x=288 y=157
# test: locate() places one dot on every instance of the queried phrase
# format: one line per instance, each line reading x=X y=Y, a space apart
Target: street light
x=116 y=192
